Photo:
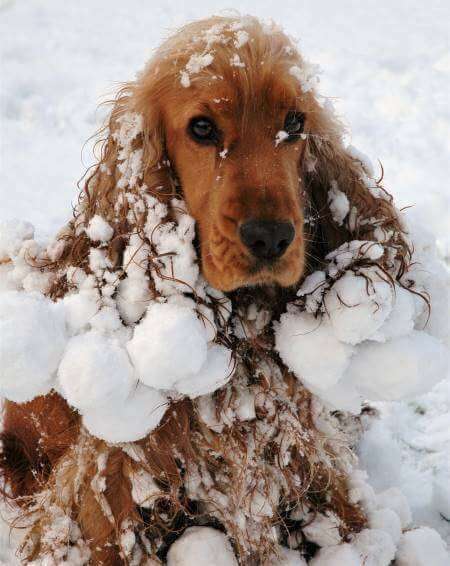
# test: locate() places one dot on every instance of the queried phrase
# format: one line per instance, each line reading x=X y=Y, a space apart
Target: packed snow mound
x=354 y=335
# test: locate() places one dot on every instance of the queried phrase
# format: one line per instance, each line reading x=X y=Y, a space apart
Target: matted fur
x=202 y=476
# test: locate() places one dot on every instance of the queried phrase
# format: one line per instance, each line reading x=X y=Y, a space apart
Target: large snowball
x=94 y=371
x=375 y=547
x=340 y=555
x=201 y=546
x=214 y=373
x=422 y=547
x=168 y=345
x=310 y=349
x=130 y=420
x=32 y=341
x=357 y=307
x=400 y=368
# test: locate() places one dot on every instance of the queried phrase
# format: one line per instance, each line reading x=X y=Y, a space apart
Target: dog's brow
x=222 y=108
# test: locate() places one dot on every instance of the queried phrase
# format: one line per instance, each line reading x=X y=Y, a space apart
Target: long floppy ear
x=347 y=202
x=131 y=163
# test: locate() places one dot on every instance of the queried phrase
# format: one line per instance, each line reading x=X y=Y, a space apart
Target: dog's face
x=240 y=175
x=235 y=139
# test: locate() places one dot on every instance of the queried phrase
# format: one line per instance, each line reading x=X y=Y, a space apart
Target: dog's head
x=230 y=113
x=234 y=117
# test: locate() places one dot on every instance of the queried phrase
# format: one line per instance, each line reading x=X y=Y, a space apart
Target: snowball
x=80 y=308
x=310 y=349
x=324 y=530
x=401 y=319
x=214 y=373
x=341 y=555
x=388 y=521
x=168 y=345
x=403 y=367
x=422 y=547
x=338 y=203
x=394 y=499
x=288 y=557
x=375 y=547
x=32 y=341
x=95 y=371
x=128 y=421
x=12 y=234
x=99 y=230
x=197 y=545
x=358 y=307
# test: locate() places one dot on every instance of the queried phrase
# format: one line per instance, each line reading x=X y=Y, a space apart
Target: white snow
x=95 y=371
x=302 y=340
x=422 y=547
x=32 y=341
x=338 y=203
x=132 y=420
x=337 y=556
x=99 y=230
x=401 y=368
x=168 y=345
x=200 y=546
x=400 y=73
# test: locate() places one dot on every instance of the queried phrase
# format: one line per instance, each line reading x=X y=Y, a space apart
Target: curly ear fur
x=328 y=163
x=111 y=187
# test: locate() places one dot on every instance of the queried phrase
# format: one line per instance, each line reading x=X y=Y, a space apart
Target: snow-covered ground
x=387 y=67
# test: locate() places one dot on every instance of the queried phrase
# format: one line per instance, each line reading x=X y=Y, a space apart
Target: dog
x=226 y=116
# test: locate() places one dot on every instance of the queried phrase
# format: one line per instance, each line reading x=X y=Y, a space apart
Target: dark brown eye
x=294 y=124
x=203 y=130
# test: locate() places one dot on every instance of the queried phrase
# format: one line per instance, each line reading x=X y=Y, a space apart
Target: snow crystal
x=99 y=230
x=306 y=75
x=95 y=371
x=280 y=137
x=32 y=341
x=169 y=344
x=129 y=421
x=242 y=38
x=338 y=203
x=400 y=368
x=196 y=63
x=422 y=547
x=235 y=61
x=197 y=545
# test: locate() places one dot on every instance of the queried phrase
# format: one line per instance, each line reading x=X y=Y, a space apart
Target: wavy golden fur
x=244 y=175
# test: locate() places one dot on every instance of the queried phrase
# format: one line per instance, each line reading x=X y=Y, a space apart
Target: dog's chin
x=283 y=274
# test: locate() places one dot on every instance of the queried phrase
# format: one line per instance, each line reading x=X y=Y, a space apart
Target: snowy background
x=386 y=66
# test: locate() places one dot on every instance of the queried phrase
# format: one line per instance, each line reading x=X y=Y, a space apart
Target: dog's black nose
x=267 y=239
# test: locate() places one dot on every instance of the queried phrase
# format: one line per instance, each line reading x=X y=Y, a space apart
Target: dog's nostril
x=267 y=239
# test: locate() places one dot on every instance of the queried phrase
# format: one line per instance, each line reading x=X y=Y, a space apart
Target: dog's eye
x=294 y=124
x=203 y=130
